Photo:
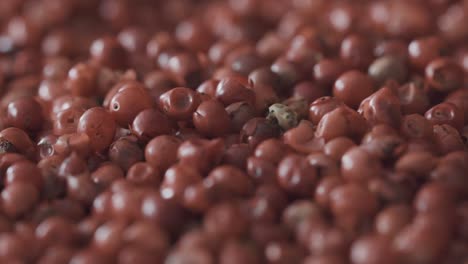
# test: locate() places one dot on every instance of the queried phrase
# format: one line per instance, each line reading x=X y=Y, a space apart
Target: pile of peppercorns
x=234 y=131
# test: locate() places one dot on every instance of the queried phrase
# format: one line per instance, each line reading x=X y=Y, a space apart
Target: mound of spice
x=234 y=131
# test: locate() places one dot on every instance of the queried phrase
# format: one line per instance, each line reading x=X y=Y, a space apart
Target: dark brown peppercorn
x=388 y=68
x=359 y=165
x=326 y=71
x=342 y=121
x=186 y=69
x=25 y=172
x=373 y=249
x=66 y=121
x=225 y=220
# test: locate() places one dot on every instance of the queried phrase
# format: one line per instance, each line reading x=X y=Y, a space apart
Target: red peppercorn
x=25 y=113
x=211 y=119
x=107 y=51
x=446 y=113
x=444 y=75
x=176 y=180
x=352 y=87
x=422 y=51
x=150 y=123
x=82 y=80
x=161 y=152
x=179 y=103
x=130 y=99
x=125 y=152
x=356 y=51
x=100 y=127
x=25 y=172
x=382 y=107
x=232 y=90
x=359 y=165
x=342 y=121
x=296 y=175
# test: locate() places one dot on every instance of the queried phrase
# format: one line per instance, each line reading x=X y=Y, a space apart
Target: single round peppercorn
x=125 y=152
x=296 y=175
x=382 y=107
x=19 y=198
x=359 y=165
x=372 y=249
x=356 y=51
x=100 y=127
x=445 y=113
x=107 y=51
x=151 y=123
x=211 y=119
x=228 y=181
x=422 y=51
x=444 y=75
x=161 y=152
x=179 y=103
x=66 y=121
x=25 y=113
x=25 y=172
x=82 y=80
x=352 y=87
x=130 y=99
